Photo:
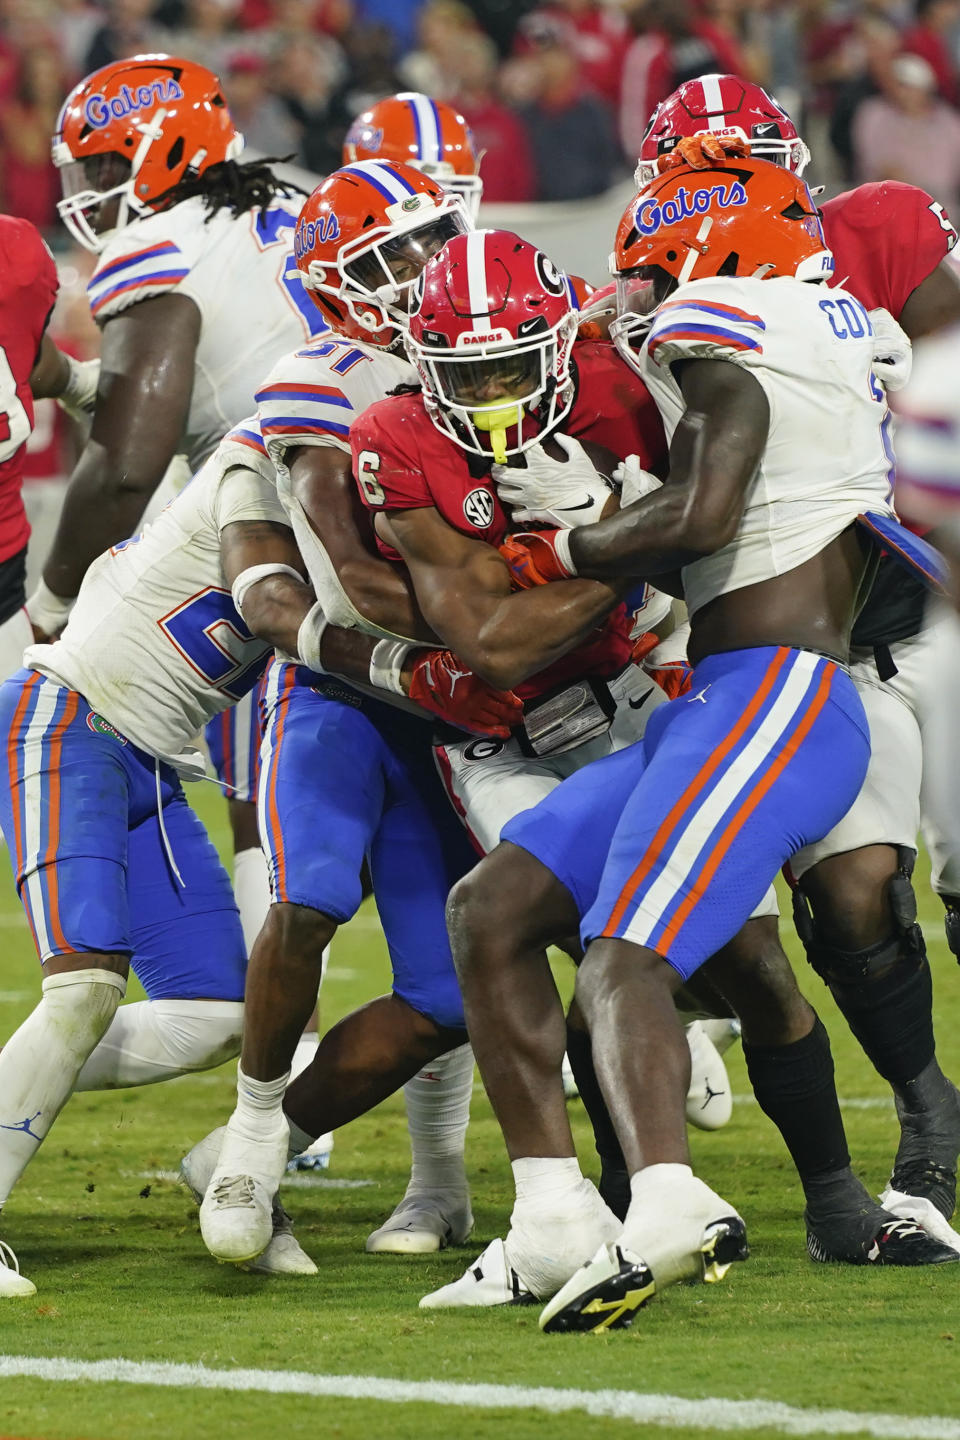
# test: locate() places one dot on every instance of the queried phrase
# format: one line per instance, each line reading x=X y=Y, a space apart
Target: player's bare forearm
x=463 y=587
x=146 y=379
x=934 y=304
x=381 y=591
x=716 y=449
x=51 y=371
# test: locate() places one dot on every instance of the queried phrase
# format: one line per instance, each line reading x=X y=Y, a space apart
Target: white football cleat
x=236 y=1215
x=424 y=1221
x=924 y=1212
x=604 y=1294
x=13 y=1285
x=490 y=1280
x=316 y=1156
x=570 y=1088
x=283 y=1255
x=722 y=1033
x=709 y=1102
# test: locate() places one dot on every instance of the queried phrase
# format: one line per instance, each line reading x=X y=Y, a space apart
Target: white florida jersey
x=928 y=432
x=311 y=398
x=827 y=458
x=241 y=274
x=154 y=642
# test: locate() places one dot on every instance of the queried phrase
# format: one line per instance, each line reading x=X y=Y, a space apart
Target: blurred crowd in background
x=557 y=92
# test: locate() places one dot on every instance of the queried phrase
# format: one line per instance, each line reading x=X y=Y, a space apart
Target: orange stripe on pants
x=697 y=784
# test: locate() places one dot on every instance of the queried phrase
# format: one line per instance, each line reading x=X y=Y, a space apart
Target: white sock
x=650 y=1184
x=40 y=1062
x=153 y=1040
x=251 y=889
x=438 y=1113
x=547 y=1183
x=259 y=1109
x=559 y=1221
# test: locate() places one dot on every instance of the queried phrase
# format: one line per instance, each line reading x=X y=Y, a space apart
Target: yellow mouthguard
x=495 y=421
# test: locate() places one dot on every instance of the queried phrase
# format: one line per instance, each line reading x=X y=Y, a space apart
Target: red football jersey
x=403 y=462
x=886 y=238
x=28 y=288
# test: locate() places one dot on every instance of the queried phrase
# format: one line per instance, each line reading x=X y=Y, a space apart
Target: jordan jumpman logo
x=24 y=1125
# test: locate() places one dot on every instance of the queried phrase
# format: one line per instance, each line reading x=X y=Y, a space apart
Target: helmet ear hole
x=175 y=153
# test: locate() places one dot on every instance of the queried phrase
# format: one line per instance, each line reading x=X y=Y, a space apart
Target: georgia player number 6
x=367 y=466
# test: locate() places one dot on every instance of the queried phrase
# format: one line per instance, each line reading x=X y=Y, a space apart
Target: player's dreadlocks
x=232 y=186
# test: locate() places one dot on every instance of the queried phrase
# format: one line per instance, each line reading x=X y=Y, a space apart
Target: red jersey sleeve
x=886 y=238
x=614 y=408
x=386 y=456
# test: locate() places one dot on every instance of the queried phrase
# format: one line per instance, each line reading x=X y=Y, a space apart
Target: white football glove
x=634 y=481
x=892 y=352
x=79 y=395
x=564 y=493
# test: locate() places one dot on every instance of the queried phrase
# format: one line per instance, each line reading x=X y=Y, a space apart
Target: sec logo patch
x=478 y=508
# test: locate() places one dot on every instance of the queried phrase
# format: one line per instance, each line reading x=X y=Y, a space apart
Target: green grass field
x=121 y=1272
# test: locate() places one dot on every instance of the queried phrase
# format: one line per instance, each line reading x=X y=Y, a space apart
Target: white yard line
x=670 y=1411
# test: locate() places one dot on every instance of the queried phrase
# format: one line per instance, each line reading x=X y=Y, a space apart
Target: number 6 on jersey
x=367 y=466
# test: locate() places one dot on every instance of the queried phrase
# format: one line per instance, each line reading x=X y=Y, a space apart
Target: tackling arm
x=716 y=449
x=146 y=379
x=464 y=589
x=381 y=591
x=935 y=302
x=281 y=609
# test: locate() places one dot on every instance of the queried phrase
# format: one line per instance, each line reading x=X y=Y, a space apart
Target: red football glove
x=702 y=151
x=441 y=685
x=673 y=678
x=533 y=559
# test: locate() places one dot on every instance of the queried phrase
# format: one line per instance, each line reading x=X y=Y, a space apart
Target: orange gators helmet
x=421 y=132
x=362 y=239
x=744 y=217
x=128 y=133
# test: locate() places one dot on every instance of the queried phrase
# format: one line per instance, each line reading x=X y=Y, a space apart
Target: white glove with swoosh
x=564 y=493
x=892 y=351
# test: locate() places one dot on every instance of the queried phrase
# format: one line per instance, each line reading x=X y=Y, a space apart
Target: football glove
x=441 y=685
x=564 y=493
x=701 y=151
x=533 y=559
x=634 y=481
x=79 y=396
x=892 y=351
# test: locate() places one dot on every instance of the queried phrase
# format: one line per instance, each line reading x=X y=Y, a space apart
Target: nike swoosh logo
x=587 y=504
x=639 y=704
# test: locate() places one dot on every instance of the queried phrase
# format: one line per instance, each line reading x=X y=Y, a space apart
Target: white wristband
x=310 y=638
x=386 y=664
x=48 y=612
x=562 y=547
x=249 y=577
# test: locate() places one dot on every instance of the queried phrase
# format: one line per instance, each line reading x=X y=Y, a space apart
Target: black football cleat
x=604 y=1294
x=897 y=1242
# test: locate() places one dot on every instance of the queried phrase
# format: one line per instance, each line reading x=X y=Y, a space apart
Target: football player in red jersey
x=31 y=366
x=854 y=903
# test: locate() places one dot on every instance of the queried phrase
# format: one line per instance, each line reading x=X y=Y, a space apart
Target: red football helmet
x=742 y=217
x=131 y=131
x=421 y=132
x=490 y=334
x=364 y=236
x=724 y=105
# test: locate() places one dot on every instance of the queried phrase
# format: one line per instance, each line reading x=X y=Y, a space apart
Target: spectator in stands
x=877 y=42
x=400 y=15
x=597 y=34
x=264 y=121
x=369 y=51
x=307 y=73
x=671 y=44
x=571 y=131
x=129 y=30
x=30 y=184
x=443 y=27
x=909 y=133
x=208 y=34
x=498 y=134
x=931 y=36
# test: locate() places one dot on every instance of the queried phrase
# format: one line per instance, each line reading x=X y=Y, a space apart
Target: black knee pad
x=884 y=991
